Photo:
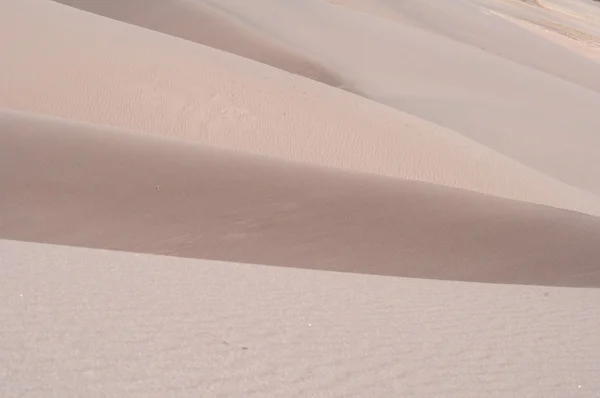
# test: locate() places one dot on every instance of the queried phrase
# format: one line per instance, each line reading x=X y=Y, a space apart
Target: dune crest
x=84 y=185
x=201 y=23
x=458 y=65
x=198 y=93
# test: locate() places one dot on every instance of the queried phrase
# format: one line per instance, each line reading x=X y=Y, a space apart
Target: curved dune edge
x=456 y=65
x=201 y=23
x=107 y=72
x=82 y=185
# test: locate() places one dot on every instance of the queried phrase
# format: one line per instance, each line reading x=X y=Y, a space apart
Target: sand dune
x=80 y=322
x=574 y=25
x=585 y=11
x=88 y=186
x=469 y=23
x=517 y=97
x=201 y=23
x=388 y=166
x=103 y=71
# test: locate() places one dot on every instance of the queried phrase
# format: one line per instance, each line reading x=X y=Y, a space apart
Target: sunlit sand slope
x=94 y=69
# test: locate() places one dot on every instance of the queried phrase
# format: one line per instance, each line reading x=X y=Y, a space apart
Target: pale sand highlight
x=574 y=40
x=99 y=70
x=455 y=64
x=80 y=322
x=466 y=24
x=88 y=186
x=576 y=29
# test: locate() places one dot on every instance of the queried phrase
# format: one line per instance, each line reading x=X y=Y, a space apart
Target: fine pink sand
x=316 y=198
x=198 y=93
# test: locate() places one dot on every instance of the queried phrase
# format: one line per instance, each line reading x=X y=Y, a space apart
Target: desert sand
x=198 y=93
x=74 y=184
x=82 y=322
x=460 y=67
x=315 y=198
x=201 y=23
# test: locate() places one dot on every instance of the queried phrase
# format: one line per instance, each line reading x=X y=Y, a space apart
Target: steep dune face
x=98 y=70
x=83 y=185
x=528 y=114
x=200 y=23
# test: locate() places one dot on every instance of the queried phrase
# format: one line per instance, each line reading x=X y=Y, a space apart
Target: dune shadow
x=80 y=185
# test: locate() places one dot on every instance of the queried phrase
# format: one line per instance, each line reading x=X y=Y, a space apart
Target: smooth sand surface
x=104 y=71
x=416 y=182
x=572 y=24
x=469 y=22
x=201 y=23
x=81 y=322
x=460 y=66
x=87 y=186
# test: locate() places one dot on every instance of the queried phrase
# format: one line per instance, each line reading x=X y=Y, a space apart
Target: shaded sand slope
x=198 y=22
x=99 y=70
x=81 y=322
x=86 y=186
x=539 y=119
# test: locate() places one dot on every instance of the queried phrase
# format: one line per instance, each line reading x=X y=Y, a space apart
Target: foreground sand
x=198 y=93
x=82 y=185
x=80 y=322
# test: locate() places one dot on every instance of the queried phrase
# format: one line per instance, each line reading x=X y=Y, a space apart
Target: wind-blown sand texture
x=81 y=185
x=453 y=142
x=198 y=93
x=80 y=322
x=459 y=66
